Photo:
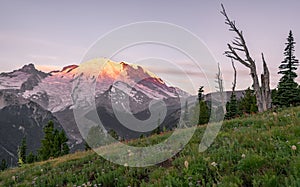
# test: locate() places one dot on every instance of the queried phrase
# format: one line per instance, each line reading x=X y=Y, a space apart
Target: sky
x=53 y=34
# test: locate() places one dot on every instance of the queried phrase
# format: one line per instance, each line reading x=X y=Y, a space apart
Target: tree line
x=54 y=144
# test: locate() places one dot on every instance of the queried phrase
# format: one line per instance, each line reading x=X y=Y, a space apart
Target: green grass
x=252 y=151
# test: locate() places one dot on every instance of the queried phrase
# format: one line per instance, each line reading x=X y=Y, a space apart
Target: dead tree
x=220 y=88
x=239 y=51
x=234 y=76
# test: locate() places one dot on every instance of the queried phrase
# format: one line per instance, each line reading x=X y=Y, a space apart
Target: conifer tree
x=203 y=113
x=63 y=143
x=287 y=90
x=22 y=152
x=30 y=158
x=54 y=143
x=247 y=103
x=46 y=149
x=113 y=134
x=232 y=107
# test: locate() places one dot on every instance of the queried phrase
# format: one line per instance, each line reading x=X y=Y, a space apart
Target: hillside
x=259 y=150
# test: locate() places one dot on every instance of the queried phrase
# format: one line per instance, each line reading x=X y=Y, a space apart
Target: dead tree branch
x=239 y=51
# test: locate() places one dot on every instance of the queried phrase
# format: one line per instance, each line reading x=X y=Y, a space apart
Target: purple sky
x=59 y=33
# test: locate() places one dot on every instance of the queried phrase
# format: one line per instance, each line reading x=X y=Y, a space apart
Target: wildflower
x=13 y=178
x=186 y=164
x=214 y=164
x=294 y=148
x=126 y=165
x=243 y=155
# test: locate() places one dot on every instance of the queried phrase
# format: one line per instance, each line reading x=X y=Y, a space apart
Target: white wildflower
x=214 y=164
x=243 y=155
x=294 y=148
x=186 y=164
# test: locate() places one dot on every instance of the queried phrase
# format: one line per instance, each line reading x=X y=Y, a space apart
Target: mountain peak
x=28 y=68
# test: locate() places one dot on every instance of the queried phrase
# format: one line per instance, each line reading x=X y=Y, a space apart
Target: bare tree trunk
x=257 y=90
x=265 y=84
x=221 y=88
x=239 y=46
x=234 y=76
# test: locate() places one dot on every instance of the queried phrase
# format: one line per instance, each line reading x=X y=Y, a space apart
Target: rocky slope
x=22 y=120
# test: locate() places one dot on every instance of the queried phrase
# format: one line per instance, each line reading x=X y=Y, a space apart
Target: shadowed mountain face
x=30 y=98
x=22 y=120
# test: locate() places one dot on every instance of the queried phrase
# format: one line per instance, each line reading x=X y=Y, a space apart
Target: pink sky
x=56 y=34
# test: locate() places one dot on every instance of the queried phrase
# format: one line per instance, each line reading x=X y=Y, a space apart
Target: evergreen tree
x=200 y=93
x=113 y=134
x=232 y=107
x=54 y=143
x=22 y=152
x=46 y=149
x=155 y=131
x=287 y=90
x=63 y=142
x=204 y=112
x=30 y=158
x=3 y=165
x=247 y=104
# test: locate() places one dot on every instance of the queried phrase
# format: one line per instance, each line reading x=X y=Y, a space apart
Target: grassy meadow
x=257 y=150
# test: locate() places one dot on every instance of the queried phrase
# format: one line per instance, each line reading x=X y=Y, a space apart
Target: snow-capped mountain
x=54 y=91
x=23 y=79
x=51 y=93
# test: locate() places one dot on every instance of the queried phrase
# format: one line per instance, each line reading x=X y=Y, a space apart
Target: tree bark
x=234 y=76
x=265 y=81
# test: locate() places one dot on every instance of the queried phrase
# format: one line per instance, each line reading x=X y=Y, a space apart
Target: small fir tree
x=203 y=109
x=232 y=107
x=288 y=93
